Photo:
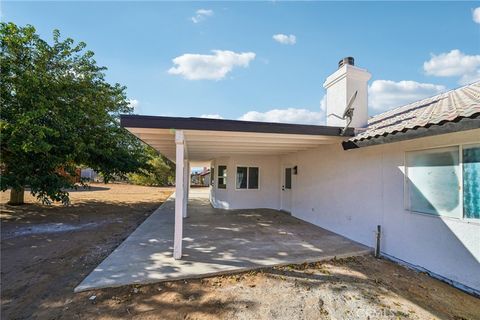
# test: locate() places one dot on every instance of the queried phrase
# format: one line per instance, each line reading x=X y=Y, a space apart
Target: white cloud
x=323 y=103
x=385 y=94
x=201 y=15
x=454 y=64
x=470 y=77
x=209 y=66
x=211 y=116
x=285 y=39
x=135 y=104
x=476 y=15
x=289 y=115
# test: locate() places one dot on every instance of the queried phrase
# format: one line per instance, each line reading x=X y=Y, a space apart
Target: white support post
x=189 y=181
x=186 y=181
x=179 y=194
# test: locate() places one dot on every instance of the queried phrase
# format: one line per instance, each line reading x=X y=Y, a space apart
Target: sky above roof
x=266 y=61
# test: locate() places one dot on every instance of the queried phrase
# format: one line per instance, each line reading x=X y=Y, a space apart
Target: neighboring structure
x=89 y=174
x=200 y=179
x=414 y=170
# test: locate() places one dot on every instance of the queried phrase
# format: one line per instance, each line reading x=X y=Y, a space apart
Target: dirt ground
x=47 y=251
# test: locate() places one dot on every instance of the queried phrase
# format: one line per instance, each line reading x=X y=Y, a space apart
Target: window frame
x=248 y=174
x=406 y=193
x=223 y=177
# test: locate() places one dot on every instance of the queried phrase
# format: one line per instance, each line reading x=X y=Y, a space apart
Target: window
x=444 y=181
x=242 y=177
x=288 y=178
x=253 y=178
x=222 y=177
x=247 y=177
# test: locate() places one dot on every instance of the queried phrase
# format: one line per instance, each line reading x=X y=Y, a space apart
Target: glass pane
x=253 y=178
x=434 y=182
x=222 y=184
x=222 y=171
x=471 y=182
x=241 y=178
x=222 y=177
x=288 y=178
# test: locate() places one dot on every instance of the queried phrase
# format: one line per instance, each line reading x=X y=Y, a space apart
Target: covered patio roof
x=187 y=140
x=206 y=139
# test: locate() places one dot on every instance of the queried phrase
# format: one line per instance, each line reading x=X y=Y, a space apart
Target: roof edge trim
x=161 y=122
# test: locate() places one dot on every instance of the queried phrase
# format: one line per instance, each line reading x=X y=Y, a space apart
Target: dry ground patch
x=47 y=251
x=355 y=288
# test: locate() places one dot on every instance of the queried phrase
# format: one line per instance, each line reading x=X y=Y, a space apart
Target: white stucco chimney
x=341 y=86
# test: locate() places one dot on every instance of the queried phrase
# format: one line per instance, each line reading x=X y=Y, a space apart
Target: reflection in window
x=222 y=177
x=241 y=177
x=247 y=178
x=434 y=182
x=471 y=182
x=253 y=178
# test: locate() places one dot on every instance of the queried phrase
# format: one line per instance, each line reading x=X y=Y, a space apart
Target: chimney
x=341 y=86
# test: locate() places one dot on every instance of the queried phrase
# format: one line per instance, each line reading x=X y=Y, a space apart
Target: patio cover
x=193 y=140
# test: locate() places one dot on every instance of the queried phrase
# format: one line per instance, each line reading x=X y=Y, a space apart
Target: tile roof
x=450 y=106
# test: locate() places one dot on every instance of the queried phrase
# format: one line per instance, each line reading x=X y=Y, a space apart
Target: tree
x=58 y=112
x=160 y=173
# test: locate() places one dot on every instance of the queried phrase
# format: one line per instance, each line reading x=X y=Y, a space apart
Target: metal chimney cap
x=347 y=60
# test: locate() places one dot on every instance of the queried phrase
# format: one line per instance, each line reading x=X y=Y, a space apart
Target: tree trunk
x=17 y=196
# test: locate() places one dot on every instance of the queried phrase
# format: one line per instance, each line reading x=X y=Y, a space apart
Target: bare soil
x=47 y=251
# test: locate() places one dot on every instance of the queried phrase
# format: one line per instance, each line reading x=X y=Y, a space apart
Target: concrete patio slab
x=215 y=241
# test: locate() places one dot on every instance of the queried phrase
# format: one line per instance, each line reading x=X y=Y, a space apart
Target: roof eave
x=456 y=125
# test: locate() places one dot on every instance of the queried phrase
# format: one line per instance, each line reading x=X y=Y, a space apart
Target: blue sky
x=413 y=50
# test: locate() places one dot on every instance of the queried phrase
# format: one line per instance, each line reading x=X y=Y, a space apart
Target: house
x=201 y=178
x=413 y=170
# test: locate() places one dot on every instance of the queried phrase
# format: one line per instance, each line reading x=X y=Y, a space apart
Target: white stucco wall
x=351 y=192
x=267 y=196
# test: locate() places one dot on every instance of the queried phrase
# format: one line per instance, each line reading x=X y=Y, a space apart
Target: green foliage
x=58 y=112
x=160 y=173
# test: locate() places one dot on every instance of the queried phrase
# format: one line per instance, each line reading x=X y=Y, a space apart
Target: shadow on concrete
x=215 y=241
